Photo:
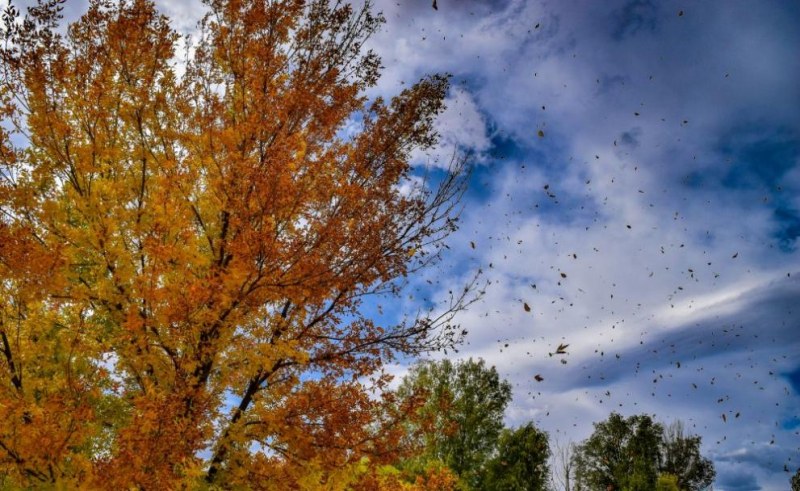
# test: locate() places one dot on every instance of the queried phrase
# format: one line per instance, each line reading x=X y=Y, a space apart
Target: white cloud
x=462 y=130
x=669 y=278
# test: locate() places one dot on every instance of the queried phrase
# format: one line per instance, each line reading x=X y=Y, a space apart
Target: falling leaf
x=435 y=7
x=561 y=350
x=538 y=377
x=540 y=133
x=526 y=307
x=472 y=244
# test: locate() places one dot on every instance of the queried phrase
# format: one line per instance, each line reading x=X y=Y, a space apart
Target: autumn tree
x=462 y=417
x=434 y=477
x=187 y=240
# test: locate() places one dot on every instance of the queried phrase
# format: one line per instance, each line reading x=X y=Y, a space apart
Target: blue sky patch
x=635 y=16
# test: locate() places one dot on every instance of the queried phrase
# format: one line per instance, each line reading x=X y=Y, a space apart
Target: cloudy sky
x=653 y=228
x=637 y=184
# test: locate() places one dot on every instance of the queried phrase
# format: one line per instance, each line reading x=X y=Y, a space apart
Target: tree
x=795 y=481
x=520 y=461
x=680 y=457
x=621 y=454
x=637 y=453
x=177 y=237
x=462 y=418
x=563 y=465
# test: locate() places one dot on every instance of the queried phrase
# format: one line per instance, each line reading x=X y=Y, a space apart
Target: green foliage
x=680 y=456
x=462 y=418
x=638 y=454
x=796 y=481
x=621 y=454
x=520 y=463
x=667 y=482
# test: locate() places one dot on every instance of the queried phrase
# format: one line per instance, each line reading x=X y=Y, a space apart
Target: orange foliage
x=435 y=478
x=185 y=246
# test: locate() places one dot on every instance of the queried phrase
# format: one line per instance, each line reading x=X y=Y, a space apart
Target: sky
x=636 y=183
x=653 y=227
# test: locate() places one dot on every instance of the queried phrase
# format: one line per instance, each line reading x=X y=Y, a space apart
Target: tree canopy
x=520 y=461
x=636 y=453
x=621 y=454
x=462 y=417
x=185 y=245
x=680 y=457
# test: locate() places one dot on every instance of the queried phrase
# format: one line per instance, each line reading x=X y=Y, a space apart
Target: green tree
x=520 y=463
x=796 y=481
x=462 y=418
x=621 y=454
x=639 y=454
x=680 y=457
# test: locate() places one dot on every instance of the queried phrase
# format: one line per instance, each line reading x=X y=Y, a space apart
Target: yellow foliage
x=183 y=253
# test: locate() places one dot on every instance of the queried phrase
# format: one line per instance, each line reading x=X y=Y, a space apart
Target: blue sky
x=670 y=155
x=671 y=161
